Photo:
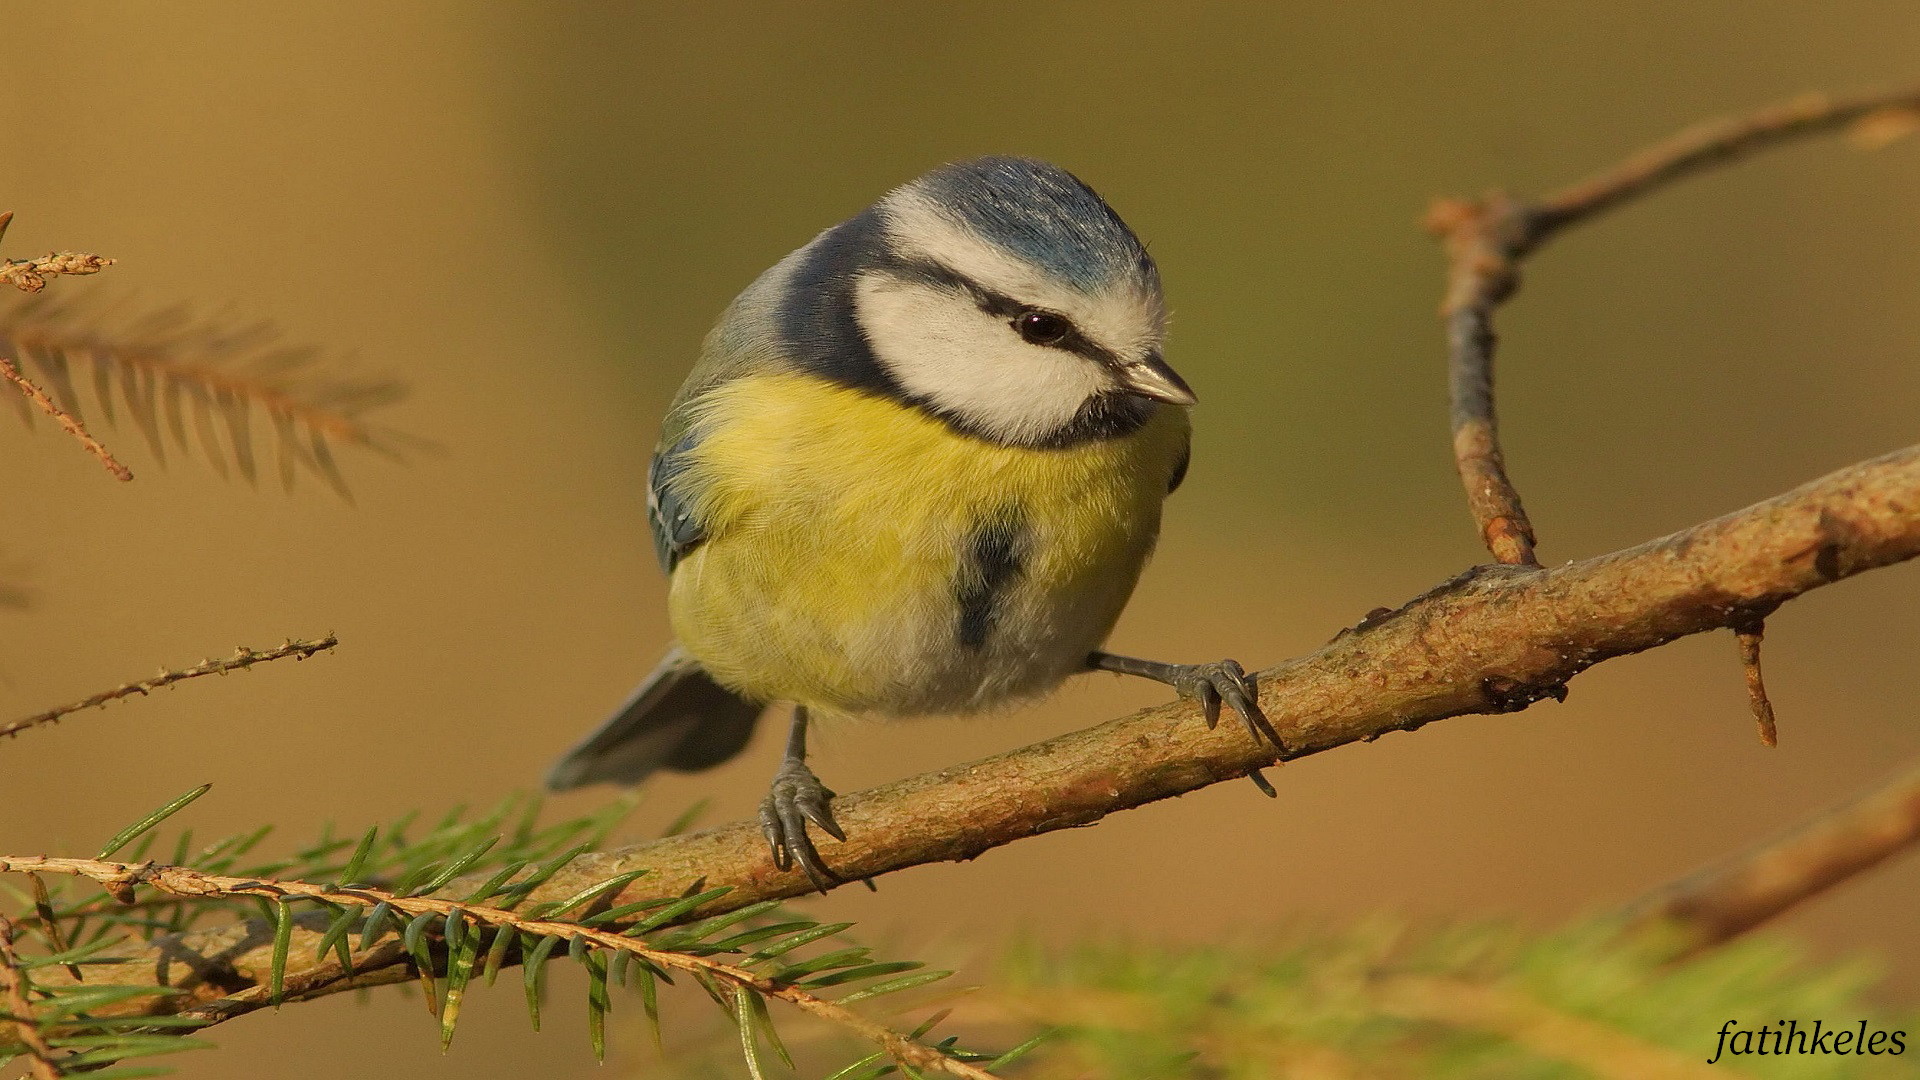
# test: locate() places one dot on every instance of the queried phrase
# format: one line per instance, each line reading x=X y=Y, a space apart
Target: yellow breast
x=839 y=526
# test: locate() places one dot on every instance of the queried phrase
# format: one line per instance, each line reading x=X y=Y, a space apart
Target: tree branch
x=1486 y=241
x=1495 y=639
x=1730 y=897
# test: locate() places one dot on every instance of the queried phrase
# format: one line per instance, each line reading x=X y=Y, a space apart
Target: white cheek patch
x=940 y=347
x=1120 y=320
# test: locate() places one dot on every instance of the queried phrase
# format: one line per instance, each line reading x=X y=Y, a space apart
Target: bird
x=917 y=470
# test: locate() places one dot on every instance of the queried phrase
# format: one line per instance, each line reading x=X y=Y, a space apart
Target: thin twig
x=121 y=878
x=65 y=419
x=13 y=983
x=1487 y=239
x=1748 y=633
x=1731 y=897
x=242 y=658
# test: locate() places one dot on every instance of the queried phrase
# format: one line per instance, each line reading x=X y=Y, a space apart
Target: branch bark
x=1495 y=639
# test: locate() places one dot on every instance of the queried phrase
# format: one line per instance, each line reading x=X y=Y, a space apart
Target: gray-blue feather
x=675 y=530
x=1043 y=214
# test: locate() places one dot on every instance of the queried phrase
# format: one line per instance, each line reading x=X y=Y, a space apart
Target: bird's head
x=1001 y=294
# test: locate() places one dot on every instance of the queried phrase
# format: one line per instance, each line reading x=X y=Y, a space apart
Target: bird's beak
x=1150 y=377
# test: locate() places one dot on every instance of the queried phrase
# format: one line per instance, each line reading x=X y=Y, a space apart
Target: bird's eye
x=1042 y=327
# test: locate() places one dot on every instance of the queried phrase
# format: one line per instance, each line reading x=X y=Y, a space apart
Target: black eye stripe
x=999 y=305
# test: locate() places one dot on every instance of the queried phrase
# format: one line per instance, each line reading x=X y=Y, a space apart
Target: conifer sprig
x=200 y=384
x=385 y=895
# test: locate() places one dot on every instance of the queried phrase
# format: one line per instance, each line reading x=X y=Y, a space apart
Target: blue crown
x=1045 y=215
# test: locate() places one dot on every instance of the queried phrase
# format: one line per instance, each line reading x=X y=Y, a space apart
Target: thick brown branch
x=1495 y=639
x=67 y=421
x=1486 y=240
x=241 y=659
x=1734 y=896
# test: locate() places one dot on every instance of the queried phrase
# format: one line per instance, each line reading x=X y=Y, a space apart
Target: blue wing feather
x=675 y=531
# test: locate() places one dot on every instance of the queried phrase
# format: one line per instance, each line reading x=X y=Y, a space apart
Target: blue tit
x=917 y=470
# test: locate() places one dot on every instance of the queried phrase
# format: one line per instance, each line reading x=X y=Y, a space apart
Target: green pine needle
x=126 y=836
x=357 y=862
x=749 y=1045
x=894 y=986
x=282 y=939
x=650 y=1002
x=597 y=1003
x=536 y=974
x=459 y=972
x=787 y=945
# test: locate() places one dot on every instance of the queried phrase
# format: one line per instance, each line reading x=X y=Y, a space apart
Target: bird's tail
x=678 y=719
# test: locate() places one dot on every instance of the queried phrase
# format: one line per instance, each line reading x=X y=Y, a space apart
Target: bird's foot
x=1225 y=681
x=798 y=797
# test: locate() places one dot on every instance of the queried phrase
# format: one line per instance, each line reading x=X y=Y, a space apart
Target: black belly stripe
x=991 y=563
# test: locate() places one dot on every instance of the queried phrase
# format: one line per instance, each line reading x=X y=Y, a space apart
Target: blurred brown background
x=531 y=212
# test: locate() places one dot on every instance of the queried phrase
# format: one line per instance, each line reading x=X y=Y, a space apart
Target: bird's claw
x=1226 y=681
x=798 y=797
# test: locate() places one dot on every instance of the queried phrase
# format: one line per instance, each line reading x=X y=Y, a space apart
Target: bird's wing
x=675 y=530
x=743 y=343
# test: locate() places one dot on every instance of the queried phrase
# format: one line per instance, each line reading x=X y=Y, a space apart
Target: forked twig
x=1487 y=239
